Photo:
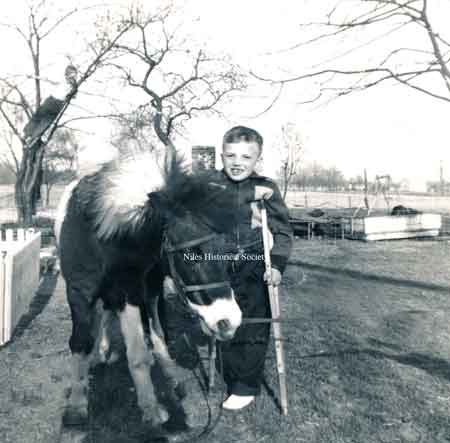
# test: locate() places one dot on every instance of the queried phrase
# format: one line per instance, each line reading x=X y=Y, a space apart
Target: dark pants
x=244 y=356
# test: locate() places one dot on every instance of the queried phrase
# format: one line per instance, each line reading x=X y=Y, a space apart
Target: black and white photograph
x=224 y=221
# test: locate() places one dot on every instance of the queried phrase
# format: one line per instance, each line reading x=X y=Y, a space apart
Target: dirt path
x=367 y=350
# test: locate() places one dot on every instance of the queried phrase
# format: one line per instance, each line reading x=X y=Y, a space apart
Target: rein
x=189 y=243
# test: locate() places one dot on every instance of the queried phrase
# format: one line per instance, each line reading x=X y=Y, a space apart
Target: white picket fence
x=19 y=276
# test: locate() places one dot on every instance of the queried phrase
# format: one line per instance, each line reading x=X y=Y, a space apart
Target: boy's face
x=239 y=159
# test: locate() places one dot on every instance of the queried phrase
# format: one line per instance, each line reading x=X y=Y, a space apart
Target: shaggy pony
x=111 y=228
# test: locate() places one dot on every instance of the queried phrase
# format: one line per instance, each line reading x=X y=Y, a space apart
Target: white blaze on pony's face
x=221 y=318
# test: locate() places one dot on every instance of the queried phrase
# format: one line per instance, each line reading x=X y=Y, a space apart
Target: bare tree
x=179 y=80
x=22 y=101
x=60 y=161
x=376 y=42
x=314 y=176
x=291 y=149
x=134 y=131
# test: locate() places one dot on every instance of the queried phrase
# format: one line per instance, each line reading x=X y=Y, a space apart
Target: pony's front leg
x=81 y=343
x=175 y=389
x=76 y=409
x=162 y=356
x=139 y=362
x=160 y=349
x=106 y=355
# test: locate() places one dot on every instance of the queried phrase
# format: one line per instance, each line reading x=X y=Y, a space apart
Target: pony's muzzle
x=225 y=330
x=221 y=318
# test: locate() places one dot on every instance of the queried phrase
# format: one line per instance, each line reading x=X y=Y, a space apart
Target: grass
x=367 y=338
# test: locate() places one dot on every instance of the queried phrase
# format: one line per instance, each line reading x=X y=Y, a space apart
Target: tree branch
x=393 y=15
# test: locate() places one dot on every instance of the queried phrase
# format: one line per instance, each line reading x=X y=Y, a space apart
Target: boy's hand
x=274 y=279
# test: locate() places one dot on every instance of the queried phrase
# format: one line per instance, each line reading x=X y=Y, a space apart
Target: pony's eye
x=197 y=251
x=195 y=255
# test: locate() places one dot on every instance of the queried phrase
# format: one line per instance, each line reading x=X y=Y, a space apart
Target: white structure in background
x=19 y=277
x=390 y=227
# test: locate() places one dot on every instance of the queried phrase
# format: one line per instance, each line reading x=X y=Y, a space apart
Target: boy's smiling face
x=239 y=159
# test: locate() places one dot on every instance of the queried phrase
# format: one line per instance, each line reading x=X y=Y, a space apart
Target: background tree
x=21 y=101
x=366 y=43
x=314 y=176
x=177 y=76
x=291 y=150
x=60 y=161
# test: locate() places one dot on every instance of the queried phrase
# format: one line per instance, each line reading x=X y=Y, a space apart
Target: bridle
x=181 y=286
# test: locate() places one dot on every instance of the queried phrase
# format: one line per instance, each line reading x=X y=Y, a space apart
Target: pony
x=121 y=232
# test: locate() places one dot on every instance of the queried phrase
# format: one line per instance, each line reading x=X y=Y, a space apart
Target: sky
x=386 y=130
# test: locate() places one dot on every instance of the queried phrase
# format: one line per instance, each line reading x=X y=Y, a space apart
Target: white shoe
x=236 y=402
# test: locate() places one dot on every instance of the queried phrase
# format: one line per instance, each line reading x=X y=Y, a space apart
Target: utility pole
x=366 y=190
x=441 y=178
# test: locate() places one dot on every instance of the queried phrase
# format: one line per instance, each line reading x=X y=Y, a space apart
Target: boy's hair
x=243 y=134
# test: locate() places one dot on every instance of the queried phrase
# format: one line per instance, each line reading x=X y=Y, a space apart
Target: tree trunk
x=285 y=181
x=366 y=191
x=25 y=207
x=48 y=188
x=28 y=184
x=285 y=189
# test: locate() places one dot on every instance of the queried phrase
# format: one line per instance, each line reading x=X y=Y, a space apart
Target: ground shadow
x=114 y=416
x=37 y=305
x=358 y=275
x=271 y=393
x=435 y=366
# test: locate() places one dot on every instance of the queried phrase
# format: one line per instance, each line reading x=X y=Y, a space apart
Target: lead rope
x=211 y=425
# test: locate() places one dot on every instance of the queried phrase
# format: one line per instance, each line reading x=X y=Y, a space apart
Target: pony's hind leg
x=139 y=361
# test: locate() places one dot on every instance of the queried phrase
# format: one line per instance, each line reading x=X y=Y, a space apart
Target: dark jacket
x=238 y=202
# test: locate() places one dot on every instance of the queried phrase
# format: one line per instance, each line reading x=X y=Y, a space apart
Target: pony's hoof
x=73 y=416
x=180 y=391
x=175 y=425
x=108 y=358
x=155 y=416
x=113 y=358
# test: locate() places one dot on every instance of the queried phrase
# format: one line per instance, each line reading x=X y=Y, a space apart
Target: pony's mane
x=184 y=191
x=126 y=194
x=196 y=195
x=116 y=196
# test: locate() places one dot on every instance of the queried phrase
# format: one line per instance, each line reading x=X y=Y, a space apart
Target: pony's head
x=195 y=250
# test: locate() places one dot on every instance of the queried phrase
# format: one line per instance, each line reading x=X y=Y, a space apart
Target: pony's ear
x=157 y=201
x=163 y=204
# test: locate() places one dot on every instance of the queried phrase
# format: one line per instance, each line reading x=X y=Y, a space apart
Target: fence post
x=21 y=235
x=9 y=235
x=3 y=337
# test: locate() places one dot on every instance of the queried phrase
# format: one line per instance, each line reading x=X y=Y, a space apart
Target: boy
x=240 y=188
